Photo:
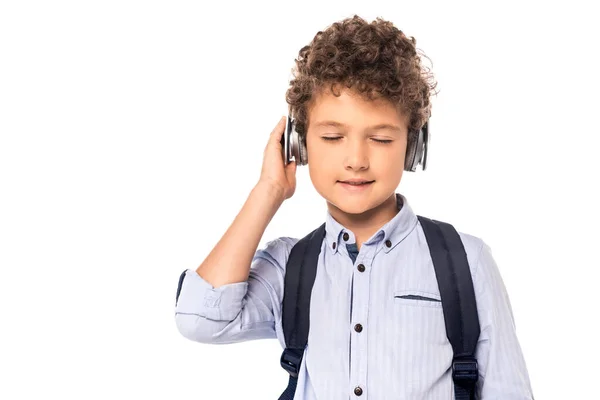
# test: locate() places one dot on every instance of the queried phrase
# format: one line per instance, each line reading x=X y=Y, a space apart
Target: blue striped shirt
x=402 y=351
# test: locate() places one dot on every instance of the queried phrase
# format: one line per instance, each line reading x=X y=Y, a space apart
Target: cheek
x=322 y=164
x=320 y=154
x=391 y=167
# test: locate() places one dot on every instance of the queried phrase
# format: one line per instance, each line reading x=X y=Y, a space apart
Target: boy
x=359 y=97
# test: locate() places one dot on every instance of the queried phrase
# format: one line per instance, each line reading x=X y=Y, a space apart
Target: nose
x=356 y=156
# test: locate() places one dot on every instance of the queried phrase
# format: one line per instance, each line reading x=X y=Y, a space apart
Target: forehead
x=350 y=108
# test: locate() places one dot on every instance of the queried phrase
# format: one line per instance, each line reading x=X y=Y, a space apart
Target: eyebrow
x=374 y=127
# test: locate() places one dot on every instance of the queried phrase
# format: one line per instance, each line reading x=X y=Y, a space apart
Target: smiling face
x=349 y=137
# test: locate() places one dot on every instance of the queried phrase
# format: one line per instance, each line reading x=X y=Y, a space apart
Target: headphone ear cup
x=298 y=147
x=303 y=152
x=409 y=160
x=417 y=152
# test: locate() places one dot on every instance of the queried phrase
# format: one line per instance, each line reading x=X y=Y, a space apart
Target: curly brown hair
x=376 y=60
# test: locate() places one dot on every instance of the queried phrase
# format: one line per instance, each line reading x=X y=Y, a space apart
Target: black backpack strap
x=456 y=292
x=458 y=302
x=301 y=270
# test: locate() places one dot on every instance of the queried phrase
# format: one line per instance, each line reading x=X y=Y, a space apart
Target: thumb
x=290 y=170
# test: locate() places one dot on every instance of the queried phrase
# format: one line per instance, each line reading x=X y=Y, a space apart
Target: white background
x=133 y=131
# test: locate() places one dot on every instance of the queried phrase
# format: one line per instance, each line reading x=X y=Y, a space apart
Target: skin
x=356 y=154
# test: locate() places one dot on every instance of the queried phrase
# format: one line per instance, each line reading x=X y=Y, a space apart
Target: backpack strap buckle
x=464 y=371
x=291 y=360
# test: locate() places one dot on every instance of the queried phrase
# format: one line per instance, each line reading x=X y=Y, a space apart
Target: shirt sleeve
x=239 y=311
x=502 y=370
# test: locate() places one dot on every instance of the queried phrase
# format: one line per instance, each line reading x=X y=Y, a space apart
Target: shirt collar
x=389 y=234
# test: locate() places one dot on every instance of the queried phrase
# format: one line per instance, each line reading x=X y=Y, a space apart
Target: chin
x=353 y=203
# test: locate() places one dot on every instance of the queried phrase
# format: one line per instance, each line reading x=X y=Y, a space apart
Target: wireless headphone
x=293 y=146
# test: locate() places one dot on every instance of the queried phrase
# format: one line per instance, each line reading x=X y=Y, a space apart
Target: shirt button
x=333 y=245
x=361 y=268
x=346 y=236
x=358 y=390
x=358 y=328
x=388 y=243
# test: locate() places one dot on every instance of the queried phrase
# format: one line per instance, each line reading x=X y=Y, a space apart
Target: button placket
x=360 y=301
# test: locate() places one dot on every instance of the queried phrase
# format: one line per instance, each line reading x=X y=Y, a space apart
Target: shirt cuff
x=198 y=297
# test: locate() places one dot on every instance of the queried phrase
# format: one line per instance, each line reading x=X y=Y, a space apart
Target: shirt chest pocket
x=417 y=298
x=419 y=319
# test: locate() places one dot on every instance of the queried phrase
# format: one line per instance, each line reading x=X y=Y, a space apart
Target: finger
x=275 y=135
x=290 y=172
x=278 y=129
x=291 y=167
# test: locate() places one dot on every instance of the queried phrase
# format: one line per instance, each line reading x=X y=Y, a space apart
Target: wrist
x=270 y=190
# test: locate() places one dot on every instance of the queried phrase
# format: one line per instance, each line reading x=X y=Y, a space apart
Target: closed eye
x=336 y=138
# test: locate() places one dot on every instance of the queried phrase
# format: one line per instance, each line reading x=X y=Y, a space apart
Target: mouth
x=356 y=183
x=355 y=186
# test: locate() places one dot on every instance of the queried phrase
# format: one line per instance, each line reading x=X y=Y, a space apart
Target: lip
x=356 y=180
x=355 y=188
